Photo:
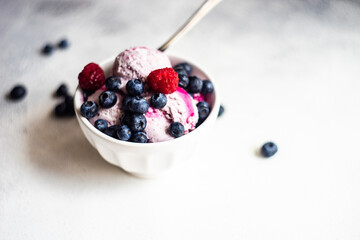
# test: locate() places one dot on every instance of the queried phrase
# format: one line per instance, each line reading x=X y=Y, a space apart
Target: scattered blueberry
x=112 y=131
x=113 y=83
x=107 y=99
x=69 y=101
x=176 y=129
x=139 y=137
x=124 y=133
x=195 y=84
x=48 y=49
x=125 y=102
x=89 y=109
x=158 y=100
x=221 y=110
x=138 y=105
x=207 y=87
x=61 y=91
x=269 y=149
x=135 y=121
x=187 y=67
x=63 y=43
x=203 y=109
x=134 y=87
x=17 y=92
x=61 y=110
x=183 y=81
x=101 y=124
x=65 y=108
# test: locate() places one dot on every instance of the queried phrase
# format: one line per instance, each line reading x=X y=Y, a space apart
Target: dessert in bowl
x=130 y=129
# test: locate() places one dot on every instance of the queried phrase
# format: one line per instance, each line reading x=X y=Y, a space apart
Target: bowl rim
x=89 y=126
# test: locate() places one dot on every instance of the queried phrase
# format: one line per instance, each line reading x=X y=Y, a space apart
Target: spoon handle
x=197 y=16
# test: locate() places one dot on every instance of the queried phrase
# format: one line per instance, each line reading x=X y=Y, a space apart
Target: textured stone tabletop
x=287 y=71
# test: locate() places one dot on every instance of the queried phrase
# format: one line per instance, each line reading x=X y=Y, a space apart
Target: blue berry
x=203 y=109
x=138 y=105
x=101 y=124
x=89 y=109
x=107 y=99
x=64 y=43
x=61 y=91
x=158 y=100
x=180 y=71
x=125 y=102
x=112 y=131
x=124 y=133
x=18 y=92
x=61 y=110
x=269 y=149
x=195 y=84
x=139 y=137
x=113 y=83
x=221 y=111
x=176 y=129
x=135 y=121
x=187 y=67
x=183 y=81
x=69 y=101
x=207 y=87
x=48 y=49
x=134 y=87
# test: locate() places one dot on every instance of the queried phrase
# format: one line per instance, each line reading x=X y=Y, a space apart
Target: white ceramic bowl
x=148 y=159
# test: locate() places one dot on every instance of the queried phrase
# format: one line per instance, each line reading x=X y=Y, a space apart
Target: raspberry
x=92 y=77
x=163 y=80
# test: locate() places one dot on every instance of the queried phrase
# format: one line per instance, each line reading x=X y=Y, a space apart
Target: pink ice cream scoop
x=180 y=107
x=138 y=62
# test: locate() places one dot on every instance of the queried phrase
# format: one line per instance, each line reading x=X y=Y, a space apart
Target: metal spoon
x=195 y=18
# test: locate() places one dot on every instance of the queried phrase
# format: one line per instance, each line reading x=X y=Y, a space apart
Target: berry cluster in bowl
x=136 y=99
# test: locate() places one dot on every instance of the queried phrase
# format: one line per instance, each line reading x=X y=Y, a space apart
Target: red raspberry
x=92 y=77
x=163 y=80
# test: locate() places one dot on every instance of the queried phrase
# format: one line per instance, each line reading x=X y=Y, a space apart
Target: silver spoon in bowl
x=190 y=23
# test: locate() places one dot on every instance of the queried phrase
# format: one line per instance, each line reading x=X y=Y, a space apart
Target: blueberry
x=112 y=131
x=183 y=81
x=180 y=71
x=207 y=87
x=69 y=101
x=134 y=87
x=61 y=91
x=269 y=149
x=138 y=105
x=158 y=100
x=139 y=137
x=107 y=99
x=101 y=124
x=60 y=110
x=48 y=49
x=135 y=121
x=195 y=84
x=113 y=83
x=187 y=67
x=176 y=129
x=63 y=43
x=89 y=109
x=203 y=109
x=125 y=102
x=124 y=133
x=18 y=92
x=65 y=108
x=221 y=110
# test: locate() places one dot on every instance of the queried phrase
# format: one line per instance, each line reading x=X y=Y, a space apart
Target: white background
x=287 y=71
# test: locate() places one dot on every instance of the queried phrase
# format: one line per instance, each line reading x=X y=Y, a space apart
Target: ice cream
x=138 y=63
x=180 y=107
